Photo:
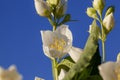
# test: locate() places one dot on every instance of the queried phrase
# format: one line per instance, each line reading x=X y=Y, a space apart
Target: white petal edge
x=75 y=53
x=47 y=37
x=62 y=74
x=107 y=70
x=64 y=30
x=37 y=78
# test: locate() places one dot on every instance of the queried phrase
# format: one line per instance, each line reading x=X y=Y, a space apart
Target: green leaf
x=67 y=17
x=66 y=64
x=83 y=66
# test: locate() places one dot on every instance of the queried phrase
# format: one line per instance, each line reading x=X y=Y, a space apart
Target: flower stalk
x=54 y=68
x=103 y=38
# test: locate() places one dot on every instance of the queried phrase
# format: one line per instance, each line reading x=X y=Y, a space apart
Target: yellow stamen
x=58 y=44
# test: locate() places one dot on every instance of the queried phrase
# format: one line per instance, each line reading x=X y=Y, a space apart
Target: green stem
x=54 y=68
x=103 y=38
x=103 y=51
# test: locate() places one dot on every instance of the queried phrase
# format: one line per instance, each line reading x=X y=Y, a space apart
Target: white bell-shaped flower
x=58 y=43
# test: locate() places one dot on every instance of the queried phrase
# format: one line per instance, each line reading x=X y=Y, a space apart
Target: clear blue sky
x=20 y=39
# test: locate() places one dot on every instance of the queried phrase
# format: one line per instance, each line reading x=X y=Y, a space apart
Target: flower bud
x=53 y=2
x=99 y=5
x=61 y=8
x=108 y=22
x=109 y=10
x=42 y=8
x=91 y=12
x=118 y=57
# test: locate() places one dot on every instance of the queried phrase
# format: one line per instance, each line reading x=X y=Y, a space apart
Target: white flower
x=108 y=22
x=37 y=78
x=62 y=74
x=58 y=43
x=75 y=53
x=42 y=8
x=10 y=74
x=110 y=70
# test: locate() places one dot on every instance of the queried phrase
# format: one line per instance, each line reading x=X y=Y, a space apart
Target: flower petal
x=47 y=37
x=37 y=78
x=107 y=70
x=75 y=53
x=62 y=74
x=10 y=74
x=64 y=30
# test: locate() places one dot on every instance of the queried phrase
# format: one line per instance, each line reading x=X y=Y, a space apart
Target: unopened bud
x=91 y=12
x=118 y=57
x=109 y=22
x=61 y=8
x=99 y=5
x=53 y=2
x=109 y=10
x=42 y=8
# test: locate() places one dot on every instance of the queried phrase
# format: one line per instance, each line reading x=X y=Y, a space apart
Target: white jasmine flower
x=42 y=8
x=9 y=74
x=62 y=74
x=108 y=22
x=110 y=70
x=75 y=53
x=58 y=43
x=37 y=78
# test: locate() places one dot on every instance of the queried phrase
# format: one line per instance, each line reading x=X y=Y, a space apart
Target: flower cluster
x=69 y=61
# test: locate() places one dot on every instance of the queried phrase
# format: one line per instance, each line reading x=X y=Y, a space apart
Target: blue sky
x=20 y=39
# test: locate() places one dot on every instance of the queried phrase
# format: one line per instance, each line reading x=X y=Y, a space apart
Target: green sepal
x=65 y=64
x=67 y=18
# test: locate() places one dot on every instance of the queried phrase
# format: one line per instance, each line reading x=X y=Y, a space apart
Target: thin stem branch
x=103 y=41
x=103 y=51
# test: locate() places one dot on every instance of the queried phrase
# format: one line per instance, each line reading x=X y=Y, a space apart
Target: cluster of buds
x=56 y=8
x=96 y=11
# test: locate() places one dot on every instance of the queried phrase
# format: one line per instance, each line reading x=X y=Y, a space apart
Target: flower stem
x=103 y=38
x=103 y=52
x=54 y=68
